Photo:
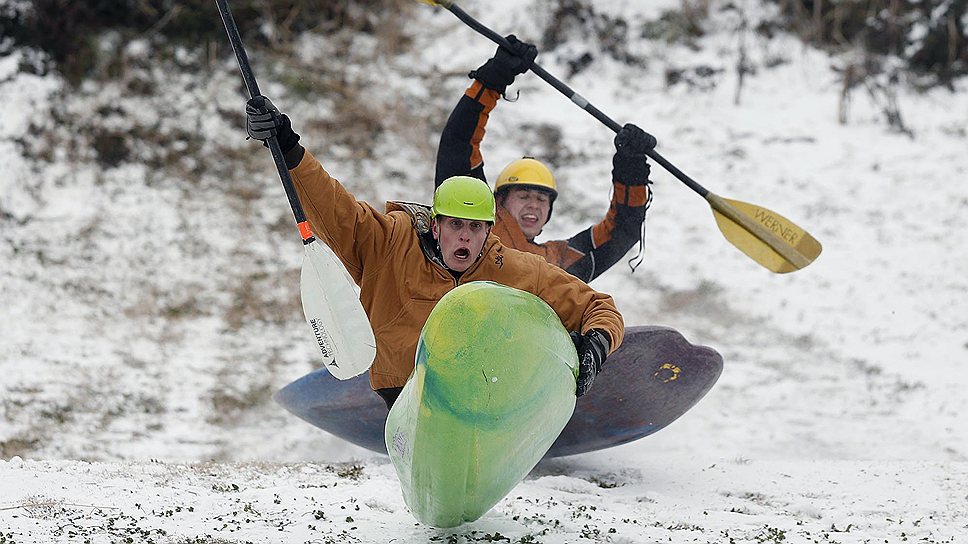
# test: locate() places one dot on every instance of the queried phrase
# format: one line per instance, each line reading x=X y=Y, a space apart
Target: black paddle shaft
x=578 y=99
x=253 y=87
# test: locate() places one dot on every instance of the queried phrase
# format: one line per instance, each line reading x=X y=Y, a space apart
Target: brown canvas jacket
x=399 y=284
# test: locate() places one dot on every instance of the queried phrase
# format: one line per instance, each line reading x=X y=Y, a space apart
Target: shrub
x=67 y=30
x=928 y=36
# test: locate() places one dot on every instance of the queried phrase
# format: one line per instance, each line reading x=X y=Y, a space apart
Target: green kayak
x=493 y=386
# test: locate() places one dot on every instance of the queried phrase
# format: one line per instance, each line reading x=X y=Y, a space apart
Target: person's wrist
x=605 y=337
x=294 y=156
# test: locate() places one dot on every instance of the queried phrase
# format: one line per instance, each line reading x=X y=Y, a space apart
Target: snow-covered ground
x=149 y=307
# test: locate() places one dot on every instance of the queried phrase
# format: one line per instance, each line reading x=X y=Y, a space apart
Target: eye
x=476 y=225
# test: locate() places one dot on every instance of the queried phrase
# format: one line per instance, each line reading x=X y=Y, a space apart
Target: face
x=529 y=207
x=461 y=240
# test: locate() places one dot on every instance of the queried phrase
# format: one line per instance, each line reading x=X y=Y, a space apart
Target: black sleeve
x=455 y=151
x=625 y=233
x=584 y=268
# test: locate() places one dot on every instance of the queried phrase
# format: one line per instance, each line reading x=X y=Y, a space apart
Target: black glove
x=629 y=165
x=592 y=349
x=499 y=71
x=263 y=120
x=632 y=140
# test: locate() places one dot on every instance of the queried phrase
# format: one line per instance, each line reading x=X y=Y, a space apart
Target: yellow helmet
x=527 y=171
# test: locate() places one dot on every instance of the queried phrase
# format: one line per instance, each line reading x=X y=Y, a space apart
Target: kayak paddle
x=770 y=239
x=330 y=303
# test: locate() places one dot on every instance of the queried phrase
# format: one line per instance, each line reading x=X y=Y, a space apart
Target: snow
x=728 y=501
x=150 y=309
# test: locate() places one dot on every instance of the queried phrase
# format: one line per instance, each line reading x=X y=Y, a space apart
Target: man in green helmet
x=406 y=259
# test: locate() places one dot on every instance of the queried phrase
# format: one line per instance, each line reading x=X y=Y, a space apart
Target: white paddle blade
x=335 y=314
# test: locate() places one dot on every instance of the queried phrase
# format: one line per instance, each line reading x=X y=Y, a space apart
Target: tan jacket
x=400 y=285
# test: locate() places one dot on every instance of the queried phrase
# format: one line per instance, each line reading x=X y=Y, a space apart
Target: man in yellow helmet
x=406 y=259
x=526 y=189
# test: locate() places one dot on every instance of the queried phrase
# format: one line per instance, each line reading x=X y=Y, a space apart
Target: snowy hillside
x=149 y=290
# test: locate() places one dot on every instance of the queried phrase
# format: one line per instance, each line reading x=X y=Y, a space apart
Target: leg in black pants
x=389 y=395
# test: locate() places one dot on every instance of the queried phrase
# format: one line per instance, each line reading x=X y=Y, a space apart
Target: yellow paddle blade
x=442 y=3
x=765 y=236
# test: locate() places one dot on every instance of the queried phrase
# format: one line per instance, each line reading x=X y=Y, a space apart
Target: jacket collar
x=420 y=218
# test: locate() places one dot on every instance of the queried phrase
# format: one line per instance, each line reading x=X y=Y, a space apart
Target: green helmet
x=464 y=197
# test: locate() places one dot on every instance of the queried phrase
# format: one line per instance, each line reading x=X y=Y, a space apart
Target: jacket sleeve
x=604 y=243
x=459 y=151
x=579 y=307
x=355 y=231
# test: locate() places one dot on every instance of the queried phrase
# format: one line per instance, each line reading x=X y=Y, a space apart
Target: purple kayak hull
x=654 y=377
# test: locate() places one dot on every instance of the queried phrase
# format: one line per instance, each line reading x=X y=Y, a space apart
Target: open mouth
x=462 y=253
x=529 y=218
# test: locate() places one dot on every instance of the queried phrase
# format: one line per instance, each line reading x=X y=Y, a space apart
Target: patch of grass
x=255 y=299
x=771 y=534
x=350 y=472
x=682 y=26
x=80 y=522
x=228 y=405
x=225 y=488
x=583 y=511
x=604 y=484
x=210 y=540
x=18 y=445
